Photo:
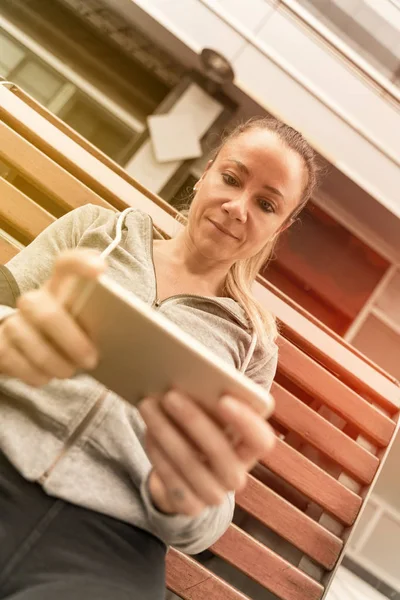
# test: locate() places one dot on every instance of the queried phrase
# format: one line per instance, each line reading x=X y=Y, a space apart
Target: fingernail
x=230 y=403
x=91 y=361
x=173 y=399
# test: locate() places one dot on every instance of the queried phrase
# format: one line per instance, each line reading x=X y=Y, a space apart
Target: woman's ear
x=198 y=183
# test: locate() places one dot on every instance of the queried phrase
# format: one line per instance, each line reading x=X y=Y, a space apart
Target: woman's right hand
x=41 y=340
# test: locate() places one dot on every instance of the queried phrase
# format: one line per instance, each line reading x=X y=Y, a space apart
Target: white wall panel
x=347 y=586
x=333 y=77
x=250 y=13
x=388 y=484
x=342 y=146
x=200 y=25
x=382 y=548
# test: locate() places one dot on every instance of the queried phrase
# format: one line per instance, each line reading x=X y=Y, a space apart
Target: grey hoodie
x=80 y=441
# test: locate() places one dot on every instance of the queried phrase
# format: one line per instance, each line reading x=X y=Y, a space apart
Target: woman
x=85 y=511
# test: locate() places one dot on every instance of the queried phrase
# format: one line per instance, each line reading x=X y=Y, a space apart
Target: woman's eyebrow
x=242 y=167
x=239 y=164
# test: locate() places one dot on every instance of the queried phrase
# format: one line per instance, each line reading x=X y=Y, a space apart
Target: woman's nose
x=237 y=208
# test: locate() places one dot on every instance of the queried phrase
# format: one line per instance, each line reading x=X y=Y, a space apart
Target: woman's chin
x=217 y=253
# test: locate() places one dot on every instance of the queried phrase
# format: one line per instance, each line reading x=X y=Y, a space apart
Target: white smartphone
x=142 y=353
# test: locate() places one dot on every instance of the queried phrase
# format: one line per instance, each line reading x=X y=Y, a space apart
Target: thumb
x=71 y=264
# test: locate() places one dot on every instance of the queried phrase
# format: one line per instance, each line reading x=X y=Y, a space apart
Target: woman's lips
x=223 y=229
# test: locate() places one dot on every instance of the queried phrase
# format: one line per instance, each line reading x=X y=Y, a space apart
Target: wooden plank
x=7 y=250
x=289 y=522
x=191 y=581
x=324 y=386
x=21 y=213
x=317 y=431
x=67 y=191
x=313 y=482
x=264 y=566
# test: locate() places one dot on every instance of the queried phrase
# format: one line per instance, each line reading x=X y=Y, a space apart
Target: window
x=38 y=80
x=10 y=55
x=93 y=123
x=370 y=27
x=64 y=99
x=24 y=69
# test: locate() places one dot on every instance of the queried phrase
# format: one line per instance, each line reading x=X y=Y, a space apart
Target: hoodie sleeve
x=190 y=535
x=9 y=292
x=262 y=368
x=31 y=267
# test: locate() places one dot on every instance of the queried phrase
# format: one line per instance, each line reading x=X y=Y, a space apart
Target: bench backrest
x=336 y=413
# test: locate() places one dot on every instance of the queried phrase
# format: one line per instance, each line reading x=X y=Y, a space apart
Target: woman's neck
x=182 y=259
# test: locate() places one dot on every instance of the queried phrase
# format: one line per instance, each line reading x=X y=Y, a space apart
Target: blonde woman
x=92 y=490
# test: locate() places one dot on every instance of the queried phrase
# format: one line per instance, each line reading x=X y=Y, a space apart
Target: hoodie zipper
x=158 y=303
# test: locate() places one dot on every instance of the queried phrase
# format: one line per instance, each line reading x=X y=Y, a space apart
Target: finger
x=246 y=453
x=208 y=437
x=13 y=364
x=180 y=496
x=256 y=436
x=44 y=313
x=36 y=349
x=79 y=262
x=181 y=454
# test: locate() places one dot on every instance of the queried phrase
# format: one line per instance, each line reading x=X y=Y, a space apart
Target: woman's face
x=245 y=196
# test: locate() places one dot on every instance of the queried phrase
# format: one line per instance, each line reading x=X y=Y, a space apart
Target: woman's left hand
x=194 y=461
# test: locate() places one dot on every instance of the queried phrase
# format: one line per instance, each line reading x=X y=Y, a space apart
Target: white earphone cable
x=90 y=285
x=118 y=234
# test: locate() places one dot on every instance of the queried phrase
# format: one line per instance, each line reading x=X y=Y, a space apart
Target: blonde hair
x=242 y=274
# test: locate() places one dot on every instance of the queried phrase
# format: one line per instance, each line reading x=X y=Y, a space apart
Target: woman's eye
x=229 y=180
x=266 y=205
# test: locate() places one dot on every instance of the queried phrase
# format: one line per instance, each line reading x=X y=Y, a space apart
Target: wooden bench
x=336 y=413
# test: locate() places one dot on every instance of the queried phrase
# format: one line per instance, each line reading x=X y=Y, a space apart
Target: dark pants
x=53 y=550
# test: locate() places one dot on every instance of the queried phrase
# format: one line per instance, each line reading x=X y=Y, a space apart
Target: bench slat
x=22 y=213
x=333 y=393
x=7 y=250
x=191 y=581
x=317 y=431
x=264 y=566
x=313 y=482
x=289 y=522
x=67 y=191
